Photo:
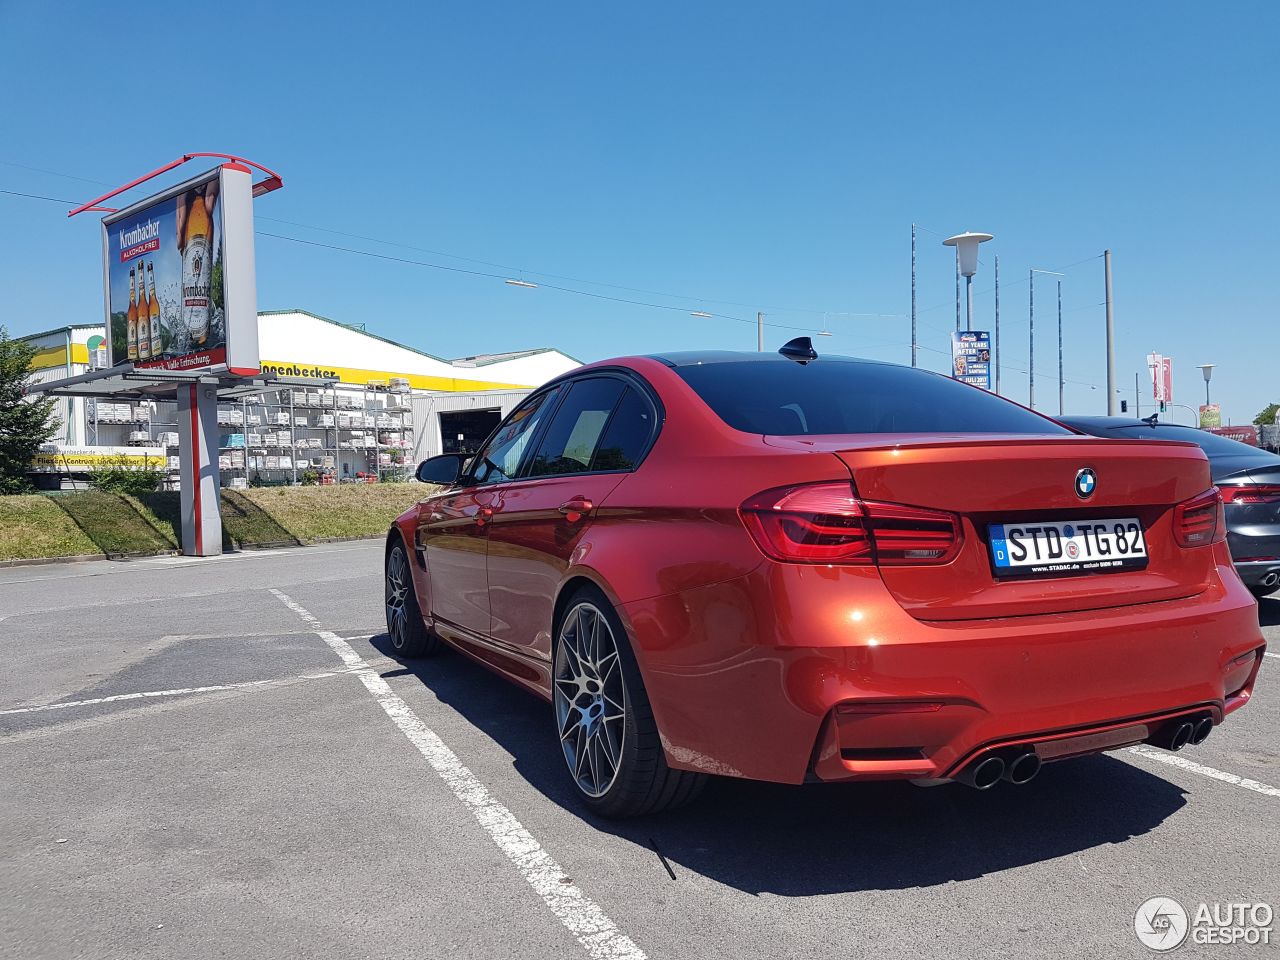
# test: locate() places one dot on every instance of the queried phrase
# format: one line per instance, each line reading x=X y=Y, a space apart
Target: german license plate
x=1044 y=548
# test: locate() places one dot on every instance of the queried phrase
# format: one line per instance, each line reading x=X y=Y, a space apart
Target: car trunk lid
x=997 y=479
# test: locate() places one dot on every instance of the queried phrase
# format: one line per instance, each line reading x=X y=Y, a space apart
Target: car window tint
x=835 y=396
x=571 y=438
x=627 y=434
x=500 y=459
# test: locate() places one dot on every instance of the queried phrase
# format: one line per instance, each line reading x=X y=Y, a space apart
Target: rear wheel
x=607 y=733
x=409 y=635
x=1260 y=591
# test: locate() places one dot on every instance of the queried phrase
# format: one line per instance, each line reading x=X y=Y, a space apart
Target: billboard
x=179 y=277
x=1210 y=416
x=971 y=357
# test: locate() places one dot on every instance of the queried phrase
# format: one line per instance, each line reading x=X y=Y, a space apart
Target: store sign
x=1161 y=370
x=1210 y=416
x=971 y=357
x=178 y=269
x=54 y=458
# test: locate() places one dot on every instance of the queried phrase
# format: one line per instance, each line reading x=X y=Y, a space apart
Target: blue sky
x=720 y=157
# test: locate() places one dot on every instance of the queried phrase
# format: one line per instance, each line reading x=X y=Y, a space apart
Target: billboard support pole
x=198 y=449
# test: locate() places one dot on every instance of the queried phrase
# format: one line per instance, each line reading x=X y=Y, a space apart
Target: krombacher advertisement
x=178 y=276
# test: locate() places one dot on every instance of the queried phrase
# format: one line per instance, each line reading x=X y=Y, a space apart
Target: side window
x=571 y=438
x=500 y=459
x=627 y=434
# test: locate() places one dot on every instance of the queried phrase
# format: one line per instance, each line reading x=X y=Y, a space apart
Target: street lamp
x=966 y=245
x=1207 y=370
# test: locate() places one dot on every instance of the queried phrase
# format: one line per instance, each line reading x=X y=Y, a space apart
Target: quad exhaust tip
x=1203 y=728
x=982 y=774
x=1023 y=768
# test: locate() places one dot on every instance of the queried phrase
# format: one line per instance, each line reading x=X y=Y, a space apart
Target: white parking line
x=1176 y=761
x=179 y=692
x=1274 y=656
x=579 y=913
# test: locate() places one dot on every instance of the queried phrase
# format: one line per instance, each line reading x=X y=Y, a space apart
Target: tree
x=1268 y=414
x=24 y=423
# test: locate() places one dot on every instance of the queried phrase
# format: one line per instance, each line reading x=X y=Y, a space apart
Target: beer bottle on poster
x=131 y=318
x=157 y=346
x=195 y=271
x=144 y=315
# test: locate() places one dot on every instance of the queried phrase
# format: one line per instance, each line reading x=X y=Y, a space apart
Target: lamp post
x=1207 y=370
x=966 y=245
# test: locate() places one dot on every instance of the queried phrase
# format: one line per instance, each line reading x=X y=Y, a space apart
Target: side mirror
x=444 y=470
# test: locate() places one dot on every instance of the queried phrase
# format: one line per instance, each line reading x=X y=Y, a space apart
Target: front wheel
x=607 y=732
x=409 y=635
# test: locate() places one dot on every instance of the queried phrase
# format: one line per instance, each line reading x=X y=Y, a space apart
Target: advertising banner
x=177 y=276
x=971 y=357
x=1210 y=416
x=1161 y=369
x=1246 y=434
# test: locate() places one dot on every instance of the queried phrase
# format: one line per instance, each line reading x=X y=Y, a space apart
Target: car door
x=601 y=429
x=453 y=527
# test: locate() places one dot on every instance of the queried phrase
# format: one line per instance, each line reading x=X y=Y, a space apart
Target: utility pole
x=1137 y=397
x=1031 y=326
x=1061 y=382
x=1111 y=339
x=759 y=332
x=913 y=296
x=957 y=290
x=995 y=343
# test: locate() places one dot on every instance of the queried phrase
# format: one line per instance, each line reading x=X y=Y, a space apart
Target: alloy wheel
x=397 y=598
x=590 y=699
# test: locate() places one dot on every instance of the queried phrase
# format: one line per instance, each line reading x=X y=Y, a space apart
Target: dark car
x=1249 y=479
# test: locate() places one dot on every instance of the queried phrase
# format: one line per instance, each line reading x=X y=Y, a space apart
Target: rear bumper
x=1249 y=542
x=794 y=673
x=1255 y=572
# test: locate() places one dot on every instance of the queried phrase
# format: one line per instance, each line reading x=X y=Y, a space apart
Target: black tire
x=1260 y=591
x=410 y=637
x=642 y=783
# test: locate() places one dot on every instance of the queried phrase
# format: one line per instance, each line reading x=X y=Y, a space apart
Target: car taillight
x=1251 y=494
x=826 y=523
x=1200 y=521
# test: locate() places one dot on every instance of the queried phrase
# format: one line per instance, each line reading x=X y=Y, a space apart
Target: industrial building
x=377 y=409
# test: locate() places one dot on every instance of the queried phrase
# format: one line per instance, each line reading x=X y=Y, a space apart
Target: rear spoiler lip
x=849 y=443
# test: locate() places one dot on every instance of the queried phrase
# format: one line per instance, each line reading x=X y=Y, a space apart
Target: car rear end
x=1252 y=498
x=953 y=601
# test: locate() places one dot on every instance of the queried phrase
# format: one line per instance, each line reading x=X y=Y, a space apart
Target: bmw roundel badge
x=1086 y=483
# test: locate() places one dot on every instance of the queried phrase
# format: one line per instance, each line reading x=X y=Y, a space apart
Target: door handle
x=575 y=508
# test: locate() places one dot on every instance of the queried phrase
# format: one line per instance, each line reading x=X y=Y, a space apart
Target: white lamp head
x=1207 y=370
x=966 y=245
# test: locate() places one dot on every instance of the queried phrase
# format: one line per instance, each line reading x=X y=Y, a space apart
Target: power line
x=36 y=196
x=508 y=267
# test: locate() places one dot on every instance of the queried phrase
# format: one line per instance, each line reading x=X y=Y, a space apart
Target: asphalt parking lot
x=218 y=758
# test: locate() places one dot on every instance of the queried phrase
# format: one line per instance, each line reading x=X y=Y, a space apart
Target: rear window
x=849 y=396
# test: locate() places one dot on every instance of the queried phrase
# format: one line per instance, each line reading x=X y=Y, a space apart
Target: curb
x=41 y=561
x=86 y=557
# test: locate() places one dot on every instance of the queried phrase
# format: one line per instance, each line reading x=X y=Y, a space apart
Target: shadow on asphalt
x=1269 y=611
x=832 y=838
